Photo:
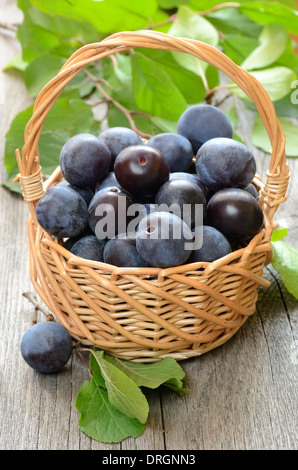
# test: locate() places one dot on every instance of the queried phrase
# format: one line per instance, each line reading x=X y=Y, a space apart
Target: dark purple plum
x=84 y=160
x=235 y=213
x=107 y=212
x=164 y=240
x=46 y=347
x=86 y=193
x=202 y=122
x=223 y=163
x=176 y=149
x=62 y=212
x=69 y=242
x=121 y=251
x=89 y=247
x=183 y=175
x=185 y=198
x=141 y=170
x=252 y=190
x=119 y=138
x=209 y=245
x=108 y=181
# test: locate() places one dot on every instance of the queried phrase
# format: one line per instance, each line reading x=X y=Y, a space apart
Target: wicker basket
x=145 y=314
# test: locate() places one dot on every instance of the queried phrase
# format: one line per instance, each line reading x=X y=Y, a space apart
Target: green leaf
x=277 y=82
x=35 y=40
x=41 y=70
x=232 y=21
x=123 y=392
x=285 y=261
x=188 y=83
x=77 y=29
x=16 y=63
x=67 y=117
x=279 y=233
x=165 y=124
x=151 y=375
x=238 y=47
x=261 y=140
x=168 y=4
x=189 y=24
x=154 y=91
x=99 y=419
x=273 y=41
x=271 y=12
x=106 y=16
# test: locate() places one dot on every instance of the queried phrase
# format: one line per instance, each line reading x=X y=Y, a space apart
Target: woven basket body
x=145 y=314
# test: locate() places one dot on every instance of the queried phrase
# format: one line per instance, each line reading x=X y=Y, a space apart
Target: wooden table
x=243 y=395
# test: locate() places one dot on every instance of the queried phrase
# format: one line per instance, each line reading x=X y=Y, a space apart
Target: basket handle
x=275 y=187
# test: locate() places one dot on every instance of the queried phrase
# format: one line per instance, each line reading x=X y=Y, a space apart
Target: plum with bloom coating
x=202 y=122
x=162 y=239
x=223 y=163
x=46 y=347
x=84 y=160
x=62 y=212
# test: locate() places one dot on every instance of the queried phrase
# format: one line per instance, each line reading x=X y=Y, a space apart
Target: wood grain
x=243 y=395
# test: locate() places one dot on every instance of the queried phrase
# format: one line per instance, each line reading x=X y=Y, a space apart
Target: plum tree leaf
x=123 y=392
x=190 y=24
x=99 y=419
x=151 y=375
x=273 y=41
x=276 y=80
x=41 y=70
x=285 y=261
x=154 y=91
x=271 y=12
x=261 y=140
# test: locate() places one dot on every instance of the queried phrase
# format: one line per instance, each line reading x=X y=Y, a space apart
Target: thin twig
x=78 y=351
x=127 y=113
x=10 y=27
x=220 y=7
x=173 y=17
x=29 y=296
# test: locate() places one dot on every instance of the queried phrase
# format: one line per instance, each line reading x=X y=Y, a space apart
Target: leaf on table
x=285 y=261
x=261 y=140
x=273 y=41
x=151 y=375
x=123 y=392
x=99 y=418
x=190 y=25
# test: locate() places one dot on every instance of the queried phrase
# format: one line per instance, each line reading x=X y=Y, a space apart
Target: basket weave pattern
x=146 y=314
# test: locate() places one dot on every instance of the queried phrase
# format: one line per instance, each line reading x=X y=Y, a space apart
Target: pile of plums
x=177 y=198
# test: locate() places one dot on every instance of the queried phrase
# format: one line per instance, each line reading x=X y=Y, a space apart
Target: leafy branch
x=108 y=99
x=116 y=390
